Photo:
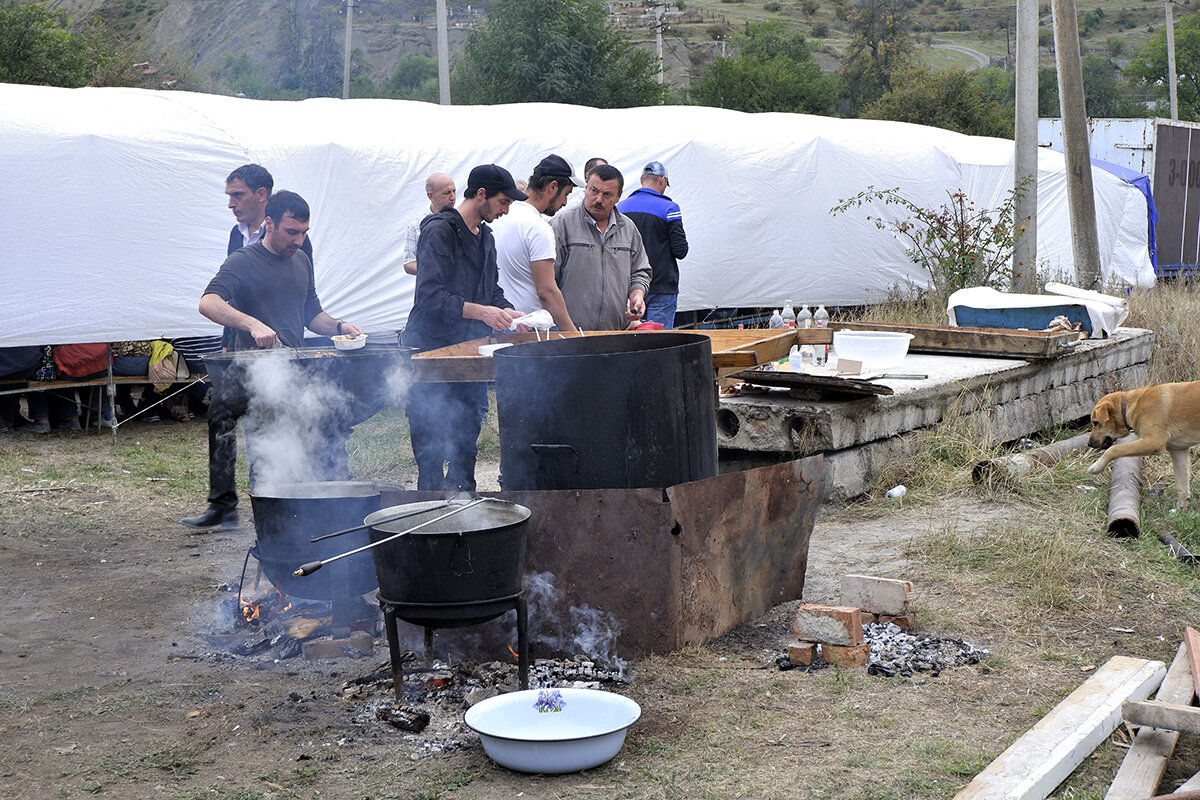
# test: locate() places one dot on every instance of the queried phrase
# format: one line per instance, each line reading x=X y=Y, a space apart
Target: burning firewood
x=304 y=627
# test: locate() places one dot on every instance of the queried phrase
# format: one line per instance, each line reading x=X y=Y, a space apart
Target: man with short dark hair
x=440 y=189
x=266 y=295
x=601 y=264
x=660 y=221
x=525 y=242
x=458 y=298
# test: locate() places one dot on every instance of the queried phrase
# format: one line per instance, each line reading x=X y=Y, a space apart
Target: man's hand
x=264 y=335
x=498 y=319
x=637 y=305
x=350 y=329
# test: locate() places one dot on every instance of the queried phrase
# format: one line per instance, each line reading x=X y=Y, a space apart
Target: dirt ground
x=111 y=684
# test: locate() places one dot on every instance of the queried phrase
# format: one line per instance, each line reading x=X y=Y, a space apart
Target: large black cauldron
x=623 y=411
x=287 y=516
x=461 y=570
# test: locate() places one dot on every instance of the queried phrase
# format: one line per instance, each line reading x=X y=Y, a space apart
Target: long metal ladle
x=313 y=566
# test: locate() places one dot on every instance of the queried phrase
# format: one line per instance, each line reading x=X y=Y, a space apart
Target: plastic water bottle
x=805 y=318
x=799 y=357
x=897 y=492
x=789 y=315
x=776 y=320
x=821 y=320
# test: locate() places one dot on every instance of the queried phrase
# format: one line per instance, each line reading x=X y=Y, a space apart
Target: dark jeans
x=444 y=420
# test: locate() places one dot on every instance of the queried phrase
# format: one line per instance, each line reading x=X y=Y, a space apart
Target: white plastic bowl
x=588 y=731
x=875 y=349
x=349 y=342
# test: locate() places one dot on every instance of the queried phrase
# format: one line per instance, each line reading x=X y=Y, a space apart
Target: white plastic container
x=343 y=342
x=875 y=349
x=588 y=731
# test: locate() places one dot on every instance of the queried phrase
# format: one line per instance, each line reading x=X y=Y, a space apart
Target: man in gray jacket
x=601 y=265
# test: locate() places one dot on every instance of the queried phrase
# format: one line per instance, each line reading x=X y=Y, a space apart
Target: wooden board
x=992 y=342
x=1049 y=751
x=814 y=385
x=732 y=349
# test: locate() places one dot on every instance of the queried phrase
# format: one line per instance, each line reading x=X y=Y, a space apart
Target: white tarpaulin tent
x=116 y=219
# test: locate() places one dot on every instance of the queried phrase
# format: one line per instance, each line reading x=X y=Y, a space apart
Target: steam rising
x=582 y=630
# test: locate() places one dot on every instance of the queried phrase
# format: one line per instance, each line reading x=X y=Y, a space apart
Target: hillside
x=205 y=35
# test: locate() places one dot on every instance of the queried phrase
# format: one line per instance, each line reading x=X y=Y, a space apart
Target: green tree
x=952 y=99
x=1105 y=95
x=415 y=78
x=37 y=48
x=289 y=46
x=321 y=64
x=553 y=51
x=881 y=43
x=1149 y=68
x=775 y=71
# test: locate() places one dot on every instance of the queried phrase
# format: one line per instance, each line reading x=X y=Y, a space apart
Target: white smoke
x=583 y=630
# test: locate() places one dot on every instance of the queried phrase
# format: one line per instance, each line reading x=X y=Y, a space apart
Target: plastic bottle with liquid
x=799 y=357
x=821 y=320
x=788 y=314
x=805 y=318
x=776 y=320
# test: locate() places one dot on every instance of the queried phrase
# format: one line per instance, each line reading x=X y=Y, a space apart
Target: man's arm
x=639 y=277
x=219 y=311
x=328 y=326
x=409 y=257
x=675 y=235
x=550 y=295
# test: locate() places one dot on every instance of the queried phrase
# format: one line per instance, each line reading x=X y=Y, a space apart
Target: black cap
x=555 y=166
x=494 y=176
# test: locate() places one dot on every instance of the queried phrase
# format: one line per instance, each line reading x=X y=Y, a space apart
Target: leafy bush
x=772 y=6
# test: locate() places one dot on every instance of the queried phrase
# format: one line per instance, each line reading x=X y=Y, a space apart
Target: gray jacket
x=596 y=273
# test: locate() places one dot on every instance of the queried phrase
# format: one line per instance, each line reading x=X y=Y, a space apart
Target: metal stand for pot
x=452 y=615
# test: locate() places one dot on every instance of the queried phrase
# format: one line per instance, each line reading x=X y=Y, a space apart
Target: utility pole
x=1172 y=74
x=443 y=42
x=1024 y=265
x=658 y=26
x=1080 y=197
x=346 y=57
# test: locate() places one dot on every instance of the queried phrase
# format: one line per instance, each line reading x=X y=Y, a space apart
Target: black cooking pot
x=363 y=374
x=462 y=562
x=287 y=516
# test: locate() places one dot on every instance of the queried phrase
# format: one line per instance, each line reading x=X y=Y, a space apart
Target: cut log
x=1019 y=465
x=1144 y=764
x=1048 y=752
x=1168 y=716
x=1125 y=498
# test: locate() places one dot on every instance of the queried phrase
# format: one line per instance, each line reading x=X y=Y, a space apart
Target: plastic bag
x=539 y=320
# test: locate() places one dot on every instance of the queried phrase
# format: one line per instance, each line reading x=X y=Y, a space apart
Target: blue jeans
x=660 y=308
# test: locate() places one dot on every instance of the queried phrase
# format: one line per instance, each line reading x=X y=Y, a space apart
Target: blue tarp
x=1142 y=182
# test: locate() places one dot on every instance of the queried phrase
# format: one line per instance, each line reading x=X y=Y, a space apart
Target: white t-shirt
x=522 y=237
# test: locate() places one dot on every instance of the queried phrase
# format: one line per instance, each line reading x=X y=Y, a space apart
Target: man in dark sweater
x=265 y=295
x=660 y=222
x=458 y=298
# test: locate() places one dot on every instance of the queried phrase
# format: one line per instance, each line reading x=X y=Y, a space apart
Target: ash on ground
x=894 y=652
x=429 y=720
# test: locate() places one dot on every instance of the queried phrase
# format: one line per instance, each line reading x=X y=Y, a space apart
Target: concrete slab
x=1015 y=398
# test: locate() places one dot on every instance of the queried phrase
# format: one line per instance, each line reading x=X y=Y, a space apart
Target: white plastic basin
x=875 y=349
x=347 y=342
x=588 y=731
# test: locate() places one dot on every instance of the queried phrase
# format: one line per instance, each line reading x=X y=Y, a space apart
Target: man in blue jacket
x=660 y=222
x=457 y=298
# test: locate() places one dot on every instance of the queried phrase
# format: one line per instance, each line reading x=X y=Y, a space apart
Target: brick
x=361 y=641
x=801 y=654
x=856 y=656
x=335 y=648
x=905 y=622
x=841 y=625
x=876 y=595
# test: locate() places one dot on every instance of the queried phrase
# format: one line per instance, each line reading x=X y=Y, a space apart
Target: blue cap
x=656 y=168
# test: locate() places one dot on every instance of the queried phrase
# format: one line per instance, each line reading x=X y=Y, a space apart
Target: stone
x=876 y=595
x=905 y=622
x=856 y=656
x=801 y=654
x=840 y=625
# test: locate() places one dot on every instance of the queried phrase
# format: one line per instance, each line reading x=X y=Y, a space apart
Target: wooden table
x=732 y=350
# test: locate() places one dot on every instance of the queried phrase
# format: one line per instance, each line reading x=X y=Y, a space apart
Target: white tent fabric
x=116 y=218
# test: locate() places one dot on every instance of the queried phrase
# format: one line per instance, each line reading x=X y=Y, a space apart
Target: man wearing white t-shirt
x=525 y=246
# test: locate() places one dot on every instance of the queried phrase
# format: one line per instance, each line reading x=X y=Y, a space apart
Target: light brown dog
x=1165 y=417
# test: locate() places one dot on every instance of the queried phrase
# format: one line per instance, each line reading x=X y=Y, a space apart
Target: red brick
x=876 y=595
x=905 y=622
x=841 y=625
x=801 y=654
x=856 y=656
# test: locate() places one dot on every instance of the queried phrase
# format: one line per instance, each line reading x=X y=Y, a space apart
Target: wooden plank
x=1049 y=751
x=988 y=342
x=1143 y=766
x=1192 y=640
x=820 y=384
x=1168 y=716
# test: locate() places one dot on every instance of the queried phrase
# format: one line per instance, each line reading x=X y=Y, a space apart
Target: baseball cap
x=494 y=176
x=656 y=168
x=556 y=166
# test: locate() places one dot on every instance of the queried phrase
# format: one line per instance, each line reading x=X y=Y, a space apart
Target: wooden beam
x=1146 y=760
x=1048 y=752
x=1192 y=640
x=1169 y=716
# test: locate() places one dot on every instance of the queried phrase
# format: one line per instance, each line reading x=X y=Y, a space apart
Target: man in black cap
x=457 y=298
x=525 y=247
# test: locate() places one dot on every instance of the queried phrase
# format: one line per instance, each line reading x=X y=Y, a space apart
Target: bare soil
x=112 y=685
